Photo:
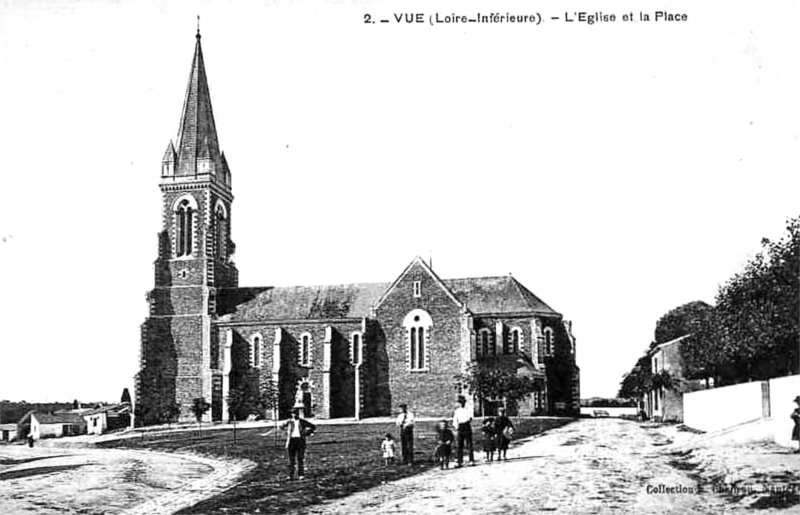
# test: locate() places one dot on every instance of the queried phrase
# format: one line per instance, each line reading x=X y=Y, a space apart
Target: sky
x=618 y=169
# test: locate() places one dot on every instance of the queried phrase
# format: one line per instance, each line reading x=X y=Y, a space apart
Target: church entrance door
x=307 y=400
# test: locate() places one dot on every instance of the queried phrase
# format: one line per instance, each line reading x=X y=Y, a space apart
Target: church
x=343 y=350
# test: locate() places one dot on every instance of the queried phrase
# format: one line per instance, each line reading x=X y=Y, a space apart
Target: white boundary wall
x=612 y=412
x=782 y=392
x=718 y=408
x=721 y=408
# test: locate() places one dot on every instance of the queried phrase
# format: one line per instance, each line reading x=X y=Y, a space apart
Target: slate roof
x=117 y=408
x=502 y=294
x=303 y=302
x=482 y=295
x=59 y=418
x=197 y=134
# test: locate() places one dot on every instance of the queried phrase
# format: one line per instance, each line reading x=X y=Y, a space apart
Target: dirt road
x=591 y=466
x=91 y=481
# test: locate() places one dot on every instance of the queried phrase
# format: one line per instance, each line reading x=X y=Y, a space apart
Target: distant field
x=342 y=459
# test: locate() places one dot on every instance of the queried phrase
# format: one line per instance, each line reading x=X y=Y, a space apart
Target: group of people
x=497 y=432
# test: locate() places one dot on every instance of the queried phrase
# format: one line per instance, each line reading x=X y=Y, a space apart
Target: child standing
x=445 y=447
x=387 y=449
x=796 y=418
x=489 y=438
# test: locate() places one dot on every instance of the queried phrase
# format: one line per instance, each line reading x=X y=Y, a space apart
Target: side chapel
x=345 y=350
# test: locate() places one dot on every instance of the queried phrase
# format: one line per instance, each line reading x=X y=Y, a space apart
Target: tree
x=236 y=400
x=269 y=400
x=170 y=411
x=487 y=382
x=701 y=352
x=200 y=407
x=680 y=321
x=126 y=397
x=754 y=329
x=636 y=383
x=663 y=379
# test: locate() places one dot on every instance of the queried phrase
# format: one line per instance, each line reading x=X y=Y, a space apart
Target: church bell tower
x=195 y=260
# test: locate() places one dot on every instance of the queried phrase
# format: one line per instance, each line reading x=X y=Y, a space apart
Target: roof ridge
x=418 y=260
x=322 y=285
x=479 y=277
x=525 y=292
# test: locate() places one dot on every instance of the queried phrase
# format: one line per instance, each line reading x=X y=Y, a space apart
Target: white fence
x=721 y=408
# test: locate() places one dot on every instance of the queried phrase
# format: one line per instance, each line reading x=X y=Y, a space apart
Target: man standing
x=405 y=421
x=297 y=429
x=462 y=421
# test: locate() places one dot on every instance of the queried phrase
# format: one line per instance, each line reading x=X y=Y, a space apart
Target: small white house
x=8 y=432
x=41 y=425
x=106 y=418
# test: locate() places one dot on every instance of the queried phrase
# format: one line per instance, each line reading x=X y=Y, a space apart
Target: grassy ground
x=341 y=460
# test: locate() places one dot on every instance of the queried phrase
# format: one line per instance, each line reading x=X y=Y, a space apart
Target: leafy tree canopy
x=752 y=332
x=488 y=382
x=680 y=321
x=199 y=408
x=638 y=381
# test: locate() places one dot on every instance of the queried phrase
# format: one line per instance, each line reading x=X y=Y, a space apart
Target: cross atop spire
x=197 y=149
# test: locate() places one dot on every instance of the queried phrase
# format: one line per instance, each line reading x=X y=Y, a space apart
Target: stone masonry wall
x=429 y=392
x=341 y=393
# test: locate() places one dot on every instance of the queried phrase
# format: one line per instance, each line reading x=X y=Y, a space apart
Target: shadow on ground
x=36 y=471
x=12 y=461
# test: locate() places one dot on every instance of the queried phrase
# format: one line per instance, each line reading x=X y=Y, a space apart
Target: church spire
x=197 y=147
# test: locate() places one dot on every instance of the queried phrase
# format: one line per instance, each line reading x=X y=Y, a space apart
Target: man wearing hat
x=405 y=421
x=796 y=418
x=462 y=421
x=297 y=429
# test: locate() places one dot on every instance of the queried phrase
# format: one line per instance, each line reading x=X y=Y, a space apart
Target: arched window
x=355 y=348
x=515 y=341
x=484 y=339
x=256 y=350
x=420 y=348
x=185 y=209
x=418 y=325
x=221 y=235
x=305 y=350
x=549 y=342
x=414 y=347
